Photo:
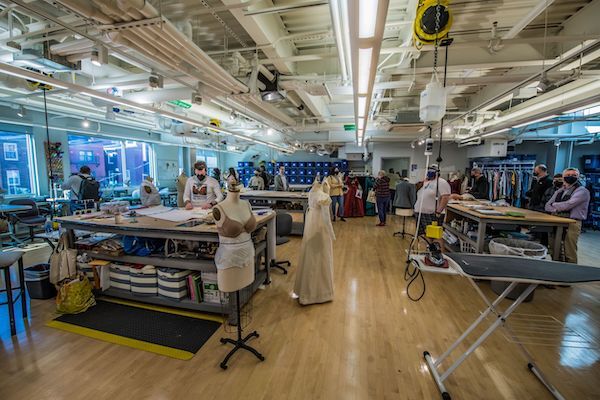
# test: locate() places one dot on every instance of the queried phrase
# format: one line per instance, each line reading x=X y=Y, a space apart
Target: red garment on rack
x=353 y=206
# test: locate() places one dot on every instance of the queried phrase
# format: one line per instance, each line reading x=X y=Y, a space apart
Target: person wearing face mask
x=480 y=188
x=557 y=183
x=336 y=185
x=571 y=201
x=256 y=182
x=433 y=187
x=201 y=190
x=539 y=186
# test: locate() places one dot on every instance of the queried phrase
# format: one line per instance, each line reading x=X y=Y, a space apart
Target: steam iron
x=434 y=257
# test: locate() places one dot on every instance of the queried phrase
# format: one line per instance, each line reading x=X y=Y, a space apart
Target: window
x=209 y=157
x=10 y=152
x=16 y=165
x=114 y=163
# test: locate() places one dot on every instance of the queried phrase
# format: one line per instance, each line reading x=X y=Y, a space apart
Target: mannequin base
x=403 y=231
x=240 y=343
x=279 y=265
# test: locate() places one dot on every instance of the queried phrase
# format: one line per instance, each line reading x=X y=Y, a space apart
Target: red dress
x=353 y=206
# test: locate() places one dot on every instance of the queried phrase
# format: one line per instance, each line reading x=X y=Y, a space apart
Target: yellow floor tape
x=124 y=341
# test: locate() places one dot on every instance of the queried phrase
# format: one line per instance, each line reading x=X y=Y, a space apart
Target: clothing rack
x=508 y=179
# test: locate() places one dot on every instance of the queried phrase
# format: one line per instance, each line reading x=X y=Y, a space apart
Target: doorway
x=399 y=164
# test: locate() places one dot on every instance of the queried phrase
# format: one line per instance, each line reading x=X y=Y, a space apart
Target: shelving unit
x=159 y=229
x=298 y=172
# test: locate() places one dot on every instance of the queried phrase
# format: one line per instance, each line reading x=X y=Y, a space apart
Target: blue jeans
x=383 y=204
x=337 y=200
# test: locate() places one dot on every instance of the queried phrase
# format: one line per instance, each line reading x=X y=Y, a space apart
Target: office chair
x=283 y=223
x=31 y=219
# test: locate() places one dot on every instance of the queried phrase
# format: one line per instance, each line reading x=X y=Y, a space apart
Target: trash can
x=520 y=248
x=37 y=279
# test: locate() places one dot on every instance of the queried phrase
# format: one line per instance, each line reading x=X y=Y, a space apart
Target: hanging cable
x=49 y=151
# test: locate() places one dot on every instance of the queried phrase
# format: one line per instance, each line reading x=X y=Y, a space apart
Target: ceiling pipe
x=539 y=8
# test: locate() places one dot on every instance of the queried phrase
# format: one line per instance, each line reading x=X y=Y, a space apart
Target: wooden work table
x=271 y=195
x=530 y=219
x=150 y=227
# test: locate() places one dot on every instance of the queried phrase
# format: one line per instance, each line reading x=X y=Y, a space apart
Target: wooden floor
x=366 y=344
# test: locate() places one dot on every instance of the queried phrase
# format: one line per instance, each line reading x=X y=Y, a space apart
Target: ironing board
x=508 y=269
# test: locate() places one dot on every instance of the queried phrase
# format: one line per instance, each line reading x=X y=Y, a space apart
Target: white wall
x=454 y=158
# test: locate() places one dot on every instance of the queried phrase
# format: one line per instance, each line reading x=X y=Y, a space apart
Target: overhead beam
x=286 y=8
x=539 y=8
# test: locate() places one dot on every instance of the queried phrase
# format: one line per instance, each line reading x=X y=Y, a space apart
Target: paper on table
x=181 y=215
x=154 y=210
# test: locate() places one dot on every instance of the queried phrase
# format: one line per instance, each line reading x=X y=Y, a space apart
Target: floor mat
x=169 y=334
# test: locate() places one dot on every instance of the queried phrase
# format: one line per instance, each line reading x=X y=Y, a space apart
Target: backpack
x=89 y=189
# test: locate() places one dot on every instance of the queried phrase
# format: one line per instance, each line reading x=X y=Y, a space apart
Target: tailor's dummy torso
x=235 y=222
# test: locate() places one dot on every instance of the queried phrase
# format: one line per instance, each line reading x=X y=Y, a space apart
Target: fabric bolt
x=314 y=279
x=383 y=204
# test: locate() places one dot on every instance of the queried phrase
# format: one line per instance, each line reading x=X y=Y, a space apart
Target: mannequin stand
x=403 y=231
x=240 y=343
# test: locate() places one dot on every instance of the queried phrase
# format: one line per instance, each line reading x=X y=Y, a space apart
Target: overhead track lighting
x=85 y=123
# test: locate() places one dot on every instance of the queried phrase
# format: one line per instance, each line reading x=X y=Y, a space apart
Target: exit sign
x=349 y=127
x=180 y=103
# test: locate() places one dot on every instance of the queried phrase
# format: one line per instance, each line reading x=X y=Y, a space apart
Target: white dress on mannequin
x=314 y=279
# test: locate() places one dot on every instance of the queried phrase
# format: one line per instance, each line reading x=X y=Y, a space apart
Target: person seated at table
x=84 y=189
x=281 y=181
x=256 y=182
x=149 y=195
x=570 y=201
x=480 y=189
x=201 y=190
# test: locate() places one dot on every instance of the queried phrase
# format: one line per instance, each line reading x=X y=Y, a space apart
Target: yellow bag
x=75 y=296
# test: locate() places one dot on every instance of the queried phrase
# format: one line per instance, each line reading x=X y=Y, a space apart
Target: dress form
x=232 y=279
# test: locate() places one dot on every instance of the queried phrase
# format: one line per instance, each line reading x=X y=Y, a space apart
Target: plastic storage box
x=37 y=280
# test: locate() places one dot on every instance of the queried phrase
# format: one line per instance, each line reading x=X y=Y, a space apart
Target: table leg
x=558 y=234
x=271 y=247
x=9 y=299
x=481 y=237
x=22 y=286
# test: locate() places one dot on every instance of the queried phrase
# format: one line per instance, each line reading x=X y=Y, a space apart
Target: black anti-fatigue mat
x=487 y=265
x=155 y=327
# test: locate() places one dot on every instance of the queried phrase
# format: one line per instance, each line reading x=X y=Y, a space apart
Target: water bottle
x=48 y=225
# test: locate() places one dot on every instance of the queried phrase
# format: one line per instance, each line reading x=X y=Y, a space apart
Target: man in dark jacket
x=480 y=189
x=539 y=186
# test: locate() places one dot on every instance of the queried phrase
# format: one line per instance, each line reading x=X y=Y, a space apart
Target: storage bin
x=520 y=248
x=37 y=280
x=120 y=277
x=172 y=283
x=144 y=281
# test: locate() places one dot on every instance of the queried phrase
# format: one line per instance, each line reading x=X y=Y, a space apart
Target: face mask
x=336 y=170
x=535 y=174
x=558 y=184
x=570 y=179
x=430 y=175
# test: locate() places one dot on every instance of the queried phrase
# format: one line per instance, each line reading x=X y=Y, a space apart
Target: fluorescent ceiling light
x=534 y=121
x=367 y=18
x=26 y=74
x=362 y=103
x=364 y=69
x=593 y=129
x=494 y=132
x=361 y=123
x=592 y=110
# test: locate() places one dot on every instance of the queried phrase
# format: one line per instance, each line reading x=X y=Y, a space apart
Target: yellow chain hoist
x=432 y=23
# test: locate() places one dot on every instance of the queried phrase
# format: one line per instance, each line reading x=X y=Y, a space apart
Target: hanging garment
x=314 y=279
x=369 y=207
x=353 y=204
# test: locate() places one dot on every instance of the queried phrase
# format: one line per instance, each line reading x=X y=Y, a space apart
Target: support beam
x=539 y=8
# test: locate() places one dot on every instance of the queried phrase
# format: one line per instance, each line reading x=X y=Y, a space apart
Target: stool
x=404 y=212
x=7 y=259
